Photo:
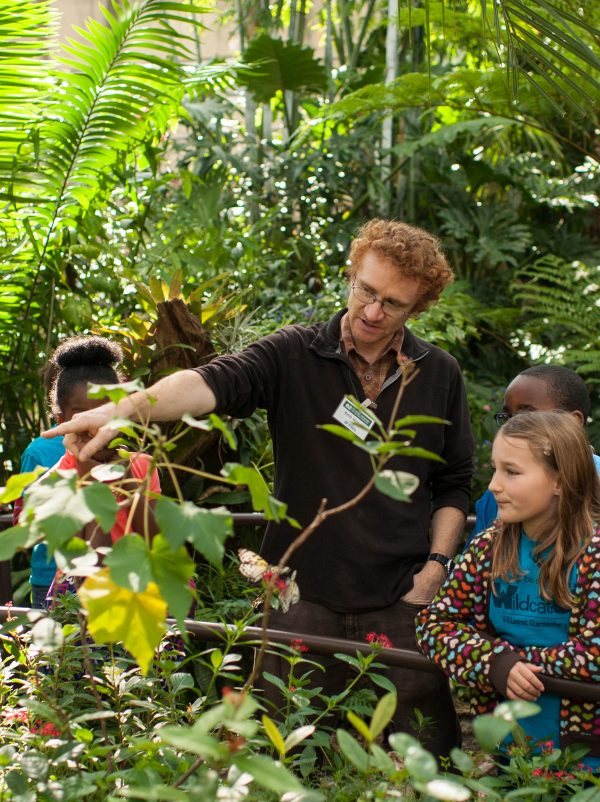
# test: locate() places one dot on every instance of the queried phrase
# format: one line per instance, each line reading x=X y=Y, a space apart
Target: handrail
x=317 y=644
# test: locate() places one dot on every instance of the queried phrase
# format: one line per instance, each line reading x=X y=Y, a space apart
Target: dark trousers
x=429 y=692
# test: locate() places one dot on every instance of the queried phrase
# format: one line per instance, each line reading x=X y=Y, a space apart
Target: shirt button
x=368 y=377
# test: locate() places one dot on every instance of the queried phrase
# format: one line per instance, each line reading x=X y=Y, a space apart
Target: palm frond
x=550 y=46
x=112 y=92
x=27 y=34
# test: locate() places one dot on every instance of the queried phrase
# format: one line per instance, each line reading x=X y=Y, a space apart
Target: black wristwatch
x=447 y=562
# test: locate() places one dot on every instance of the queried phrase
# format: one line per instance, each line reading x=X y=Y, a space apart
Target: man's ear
x=578 y=415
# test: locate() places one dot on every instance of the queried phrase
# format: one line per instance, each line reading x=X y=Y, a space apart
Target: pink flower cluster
x=298 y=646
x=19 y=715
x=379 y=640
x=15 y=715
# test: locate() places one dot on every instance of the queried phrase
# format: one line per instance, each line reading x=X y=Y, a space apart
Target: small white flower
x=447 y=791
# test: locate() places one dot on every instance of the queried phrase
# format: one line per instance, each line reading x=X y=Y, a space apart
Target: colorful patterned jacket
x=455 y=632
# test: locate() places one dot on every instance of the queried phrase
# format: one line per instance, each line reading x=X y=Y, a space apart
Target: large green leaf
x=281 y=66
x=129 y=563
x=172 y=572
x=205 y=530
x=270 y=774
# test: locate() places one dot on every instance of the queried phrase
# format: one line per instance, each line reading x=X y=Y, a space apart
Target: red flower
x=298 y=646
x=379 y=640
x=278 y=582
x=538 y=772
x=548 y=746
x=48 y=729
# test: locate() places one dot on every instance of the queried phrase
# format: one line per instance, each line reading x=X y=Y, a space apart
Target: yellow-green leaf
x=16 y=485
x=360 y=725
x=274 y=735
x=386 y=707
x=116 y=614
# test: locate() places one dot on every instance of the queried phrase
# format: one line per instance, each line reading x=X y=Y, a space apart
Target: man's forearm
x=170 y=398
x=447 y=525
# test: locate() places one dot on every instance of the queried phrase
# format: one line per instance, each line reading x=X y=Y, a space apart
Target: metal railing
x=318 y=645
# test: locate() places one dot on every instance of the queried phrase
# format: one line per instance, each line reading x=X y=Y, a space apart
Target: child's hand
x=522 y=682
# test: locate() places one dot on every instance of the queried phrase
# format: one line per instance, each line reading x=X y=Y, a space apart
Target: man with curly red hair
x=372 y=567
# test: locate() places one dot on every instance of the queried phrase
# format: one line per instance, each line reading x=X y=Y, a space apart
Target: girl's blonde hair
x=559 y=443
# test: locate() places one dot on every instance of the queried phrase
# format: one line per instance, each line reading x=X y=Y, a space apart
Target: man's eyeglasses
x=365 y=296
x=501 y=418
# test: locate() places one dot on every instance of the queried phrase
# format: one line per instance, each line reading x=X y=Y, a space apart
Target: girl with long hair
x=524 y=598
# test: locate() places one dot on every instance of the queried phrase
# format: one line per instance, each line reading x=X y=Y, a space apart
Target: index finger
x=95 y=443
x=76 y=424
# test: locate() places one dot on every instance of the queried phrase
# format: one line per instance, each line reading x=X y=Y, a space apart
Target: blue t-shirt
x=486 y=508
x=522 y=617
x=44 y=453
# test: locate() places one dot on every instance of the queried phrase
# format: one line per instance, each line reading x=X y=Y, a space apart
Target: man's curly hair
x=416 y=253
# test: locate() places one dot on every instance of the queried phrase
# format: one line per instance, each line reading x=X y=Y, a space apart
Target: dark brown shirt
x=371 y=375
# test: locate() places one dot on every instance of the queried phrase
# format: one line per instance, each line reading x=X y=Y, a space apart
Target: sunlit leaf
x=57 y=507
x=298 y=735
x=108 y=472
x=117 y=615
x=359 y=725
x=212 y=422
x=17 y=484
x=273 y=734
x=262 y=500
x=114 y=392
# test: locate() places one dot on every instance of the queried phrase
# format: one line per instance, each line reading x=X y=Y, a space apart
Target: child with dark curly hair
x=77 y=362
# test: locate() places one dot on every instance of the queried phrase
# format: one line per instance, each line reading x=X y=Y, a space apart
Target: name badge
x=353 y=415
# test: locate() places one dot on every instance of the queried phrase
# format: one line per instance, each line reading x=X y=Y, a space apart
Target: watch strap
x=442 y=559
